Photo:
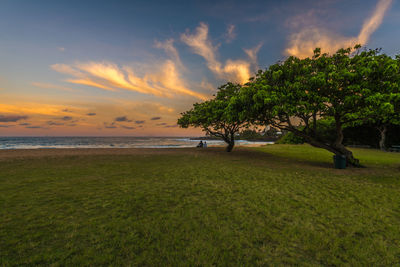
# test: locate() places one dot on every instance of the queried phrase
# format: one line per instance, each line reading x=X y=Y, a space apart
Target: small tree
x=217 y=117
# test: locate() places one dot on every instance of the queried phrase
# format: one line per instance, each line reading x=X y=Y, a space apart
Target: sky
x=129 y=68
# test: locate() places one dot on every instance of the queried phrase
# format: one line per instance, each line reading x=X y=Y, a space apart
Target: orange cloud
x=32 y=108
x=234 y=70
x=91 y=83
x=169 y=78
x=303 y=43
x=109 y=76
x=171 y=51
x=252 y=54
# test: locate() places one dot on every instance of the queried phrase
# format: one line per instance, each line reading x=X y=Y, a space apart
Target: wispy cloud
x=109 y=125
x=371 y=24
x=12 y=118
x=128 y=127
x=155 y=118
x=234 y=70
x=54 y=123
x=36 y=127
x=303 y=42
x=122 y=119
x=166 y=82
x=171 y=126
x=252 y=54
x=139 y=122
x=230 y=34
x=91 y=114
x=90 y=83
x=66 y=118
x=205 y=84
x=169 y=48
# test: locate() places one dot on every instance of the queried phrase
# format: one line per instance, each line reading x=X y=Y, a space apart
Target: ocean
x=110 y=142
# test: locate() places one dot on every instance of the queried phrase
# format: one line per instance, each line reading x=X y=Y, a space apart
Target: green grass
x=275 y=205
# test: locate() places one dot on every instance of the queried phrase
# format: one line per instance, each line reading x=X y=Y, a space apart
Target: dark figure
x=200 y=144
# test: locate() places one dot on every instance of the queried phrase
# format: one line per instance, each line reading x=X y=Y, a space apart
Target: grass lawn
x=274 y=205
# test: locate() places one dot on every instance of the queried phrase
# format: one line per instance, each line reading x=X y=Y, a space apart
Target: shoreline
x=144 y=147
x=112 y=143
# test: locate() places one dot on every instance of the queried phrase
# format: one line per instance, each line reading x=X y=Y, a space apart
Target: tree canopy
x=382 y=83
x=217 y=117
x=342 y=87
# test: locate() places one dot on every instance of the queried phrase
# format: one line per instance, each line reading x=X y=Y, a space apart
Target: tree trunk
x=230 y=146
x=350 y=159
x=382 y=130
x=336 y=148
x=340 y=148
x=230 y=140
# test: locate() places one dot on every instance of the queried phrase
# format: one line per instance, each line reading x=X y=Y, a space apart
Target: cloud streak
x=199 y=42
x=166 y=82
x=172 y=52
x=122 y=119
x=109 y=125
x=127 y=127
x=12 y=118
x=53 y=123
x=35 y=127
x=66 y=118
x=252 y=54
x=302 y=43
x=230 y=33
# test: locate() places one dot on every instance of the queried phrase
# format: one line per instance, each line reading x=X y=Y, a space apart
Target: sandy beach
x=28 y=153
x=55 y=152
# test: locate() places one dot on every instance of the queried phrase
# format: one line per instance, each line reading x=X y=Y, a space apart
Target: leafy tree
x=217 y=117
x=384 y=97
x=299 y=92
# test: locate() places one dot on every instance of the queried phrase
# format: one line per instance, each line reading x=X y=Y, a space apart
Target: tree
x=384 y=99
x=217 y=117
x=299 y=92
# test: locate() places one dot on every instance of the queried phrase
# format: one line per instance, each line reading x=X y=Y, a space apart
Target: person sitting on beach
x=205 y=144
x=200 y=144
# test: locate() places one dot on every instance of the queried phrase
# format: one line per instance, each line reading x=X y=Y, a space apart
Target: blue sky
x=150 y=59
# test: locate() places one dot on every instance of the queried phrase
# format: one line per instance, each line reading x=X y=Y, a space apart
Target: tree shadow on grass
x=268 y=158
x=254 y=157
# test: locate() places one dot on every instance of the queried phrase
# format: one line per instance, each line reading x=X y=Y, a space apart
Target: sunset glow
x=109 y=69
